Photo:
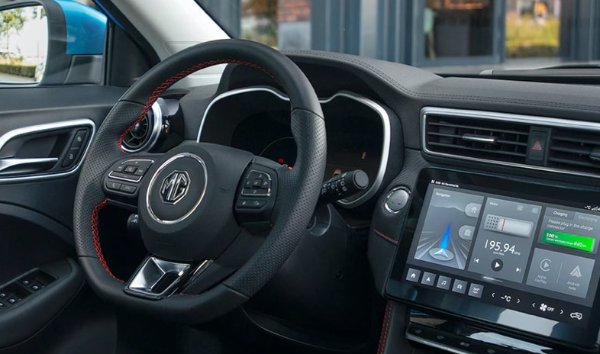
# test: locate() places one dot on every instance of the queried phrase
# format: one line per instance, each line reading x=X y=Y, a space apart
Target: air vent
x=146 y=133
x=474 y=137
x=575 y=149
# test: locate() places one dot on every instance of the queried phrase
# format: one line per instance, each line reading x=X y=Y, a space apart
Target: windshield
x=445 y=36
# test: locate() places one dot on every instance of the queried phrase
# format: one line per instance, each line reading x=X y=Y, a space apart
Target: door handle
x=30 y=164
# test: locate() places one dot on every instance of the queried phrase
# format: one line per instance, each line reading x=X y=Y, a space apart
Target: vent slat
x=583 y=150
x=500 y=152
x=477 y=127
x=569 y=161
x=499 y=141
x=578 y=140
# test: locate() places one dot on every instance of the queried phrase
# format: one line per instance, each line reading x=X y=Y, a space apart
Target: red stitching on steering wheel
x=96 y=238
x=173 y=79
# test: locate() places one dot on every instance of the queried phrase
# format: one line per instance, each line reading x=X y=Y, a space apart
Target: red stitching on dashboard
x=385 y=329
x=173 y=79
x=385 y=237
x=96 y=237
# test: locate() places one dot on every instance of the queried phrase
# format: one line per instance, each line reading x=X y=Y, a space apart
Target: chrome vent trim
x=155 y=128
x=576 y=125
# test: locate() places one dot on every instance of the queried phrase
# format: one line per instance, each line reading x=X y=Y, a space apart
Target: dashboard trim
x=379 y=110
x=506 y=117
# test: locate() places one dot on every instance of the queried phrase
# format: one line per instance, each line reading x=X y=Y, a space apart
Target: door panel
x=37 y=258
x=50 y=195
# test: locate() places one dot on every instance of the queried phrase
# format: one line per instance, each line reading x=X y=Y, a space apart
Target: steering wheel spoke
x=158 y=278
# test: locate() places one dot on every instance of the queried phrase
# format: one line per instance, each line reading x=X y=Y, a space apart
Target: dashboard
x=482 y=212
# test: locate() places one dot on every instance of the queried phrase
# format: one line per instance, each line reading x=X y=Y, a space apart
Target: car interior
x=168 y=187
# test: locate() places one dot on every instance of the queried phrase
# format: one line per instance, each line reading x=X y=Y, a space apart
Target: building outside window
x=445 y=35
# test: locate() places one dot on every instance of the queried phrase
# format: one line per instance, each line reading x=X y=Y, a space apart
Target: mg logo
x=174 y=187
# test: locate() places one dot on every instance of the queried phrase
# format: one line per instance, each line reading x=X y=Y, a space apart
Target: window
x=443 y=35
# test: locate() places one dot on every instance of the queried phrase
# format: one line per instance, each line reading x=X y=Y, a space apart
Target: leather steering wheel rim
x=301 y=185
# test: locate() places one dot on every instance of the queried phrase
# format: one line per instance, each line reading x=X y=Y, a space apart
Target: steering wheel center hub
x=177 y=188
x=186 y=205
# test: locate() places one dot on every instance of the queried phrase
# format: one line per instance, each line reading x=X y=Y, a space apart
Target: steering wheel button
x=130 y=169
x=250 y=192
x=140 y=171
x=127 y=188
x=255 y=204
x=266 y=184
x=119 y=168
x=257 y=183
x=113 y=186
x=251 y=203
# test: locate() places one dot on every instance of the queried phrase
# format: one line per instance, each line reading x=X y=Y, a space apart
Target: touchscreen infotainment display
x=542 y=248
x=517 y=248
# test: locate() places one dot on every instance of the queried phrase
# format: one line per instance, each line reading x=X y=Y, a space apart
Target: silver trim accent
x=48 y=127
x=8 y=163
x=132 y=180
x=162 y=184
x=515 y=118
x=202 y=267
x=389 y=194
x=153 y=180
x=157 y=123
x=479 y=139
x=381 y=112
x=151 y=272
x=234 y=93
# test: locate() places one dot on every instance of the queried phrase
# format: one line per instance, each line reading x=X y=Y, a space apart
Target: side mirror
x=51 y=42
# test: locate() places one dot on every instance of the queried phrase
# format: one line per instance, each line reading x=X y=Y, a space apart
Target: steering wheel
x=217 y=222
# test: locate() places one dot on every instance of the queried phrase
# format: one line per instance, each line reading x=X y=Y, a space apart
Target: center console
x=522 y=258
